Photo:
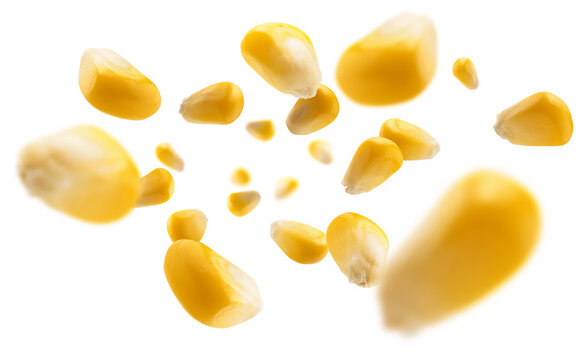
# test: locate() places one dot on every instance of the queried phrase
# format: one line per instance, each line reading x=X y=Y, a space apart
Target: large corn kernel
x=542 y=119
x=375 y=161
x=392 y=64
x=186 y=224
x=464 y=70
x=285 y=187
x=414 y=142
x=321 y=151
x=220 y=104
x=83 y=172
x=283 y=56
x=210 y=288
x=169 y=157
x=481 y=233
x=114 y=86
x=359 y=247
x=242 y=203
x=300 y=242
x=156 y=188
x=240 y=176
x=310 y=115
x=263 y=130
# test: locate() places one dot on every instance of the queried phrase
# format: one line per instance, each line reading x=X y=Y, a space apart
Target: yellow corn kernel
x=359 y=247
x=156 y=188
x=283 y=56
x=242 y=203
x=414 y=142
x=542 y=119
x=464 y=70
x=300 y=242
x=240 y=176
x=480 y=233
x=219 y=104
x=83 y=172
x=392 y=64
x=285 y=187
x=375 y=161
x=169 y=157
x=186 y=224
x=210 y=288
x=310 y=115
x=263 y=130
x=321 y=151
x=112 y=85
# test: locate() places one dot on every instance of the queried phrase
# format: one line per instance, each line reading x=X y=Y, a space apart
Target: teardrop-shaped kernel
x=169 y=157
x=156 y=188
x=83 y=172
x=242 y=203
x=310 y=115
x=392 y=64
x=321 y=151
x=285 y=187
x=464 y=70
x=263 y=130
x=219 y=104
x=186 y=224
x=240 y=176
x=414 y=142
x=211 y=289
x=300 y=242
x=112 y=85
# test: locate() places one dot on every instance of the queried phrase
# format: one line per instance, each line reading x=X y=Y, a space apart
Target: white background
x=71 y=290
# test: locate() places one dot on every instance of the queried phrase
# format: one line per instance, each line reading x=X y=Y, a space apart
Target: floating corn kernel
x=186 y=224
x=414 y=142
x=262 y=130
x=285 y=187
x=480 y=234
x=542 y=119
x=114 y=86
x=283 y=56
x=156 y=188
x=300 y=242
x=310 y=115
x=169 y=157
x=83 y=172
x=321 y=151
x=210 y=288
x=464 y=70
x=240 y=176
x=392 y=64
x=359 y=247
x=375 y=161
x=242 y=203
x=220 y=104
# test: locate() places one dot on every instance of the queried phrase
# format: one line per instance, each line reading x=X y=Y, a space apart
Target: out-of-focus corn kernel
x=414 y=142
x=283 y=56
x=300 y=242
x=263 y=130
x=392 y=64
x=210 y=288
x=242 y=203
x=542 y=119
x=220 y=104
x=156 y=188
x=464 y=70
x=114 y=86
x=321 y=151
x=83 y=172
x=169 y=157
x=240 y=176
x=285 y=187
x=186 y=224
x=310 y=115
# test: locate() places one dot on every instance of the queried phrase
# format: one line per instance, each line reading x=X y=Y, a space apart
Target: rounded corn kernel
x=219 y=104
x=263 y=130
x=310 y=115
x=285 y=187
x=464 y=70
x=300 y=242
x=241 y=177
x=242 y=203
x=156 y=187
x=169 y=157
x=187 y=225
x=414 y=142
x=321 y=151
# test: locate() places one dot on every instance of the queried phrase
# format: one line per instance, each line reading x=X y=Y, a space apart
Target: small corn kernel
x=300 y=242
x=542 y=119
x=414 y=142
x=242 y=203
x=156 y=188
x=321 y=151
x=481 y=232
x=83 y=172
x=241 y=177
x=219 y=104
x=310 y=115
x=464 y=70
x=169 y=157
x=392 y=64
x=112 y=85
x=263 y=130
x=285 y=187
x=211 y=289
x=375 y=161
x=186 y=224
x=359 y=247
x=283 y=56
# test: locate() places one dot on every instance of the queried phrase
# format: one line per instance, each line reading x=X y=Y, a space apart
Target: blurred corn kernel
x=219 y=104
x=285 y=187
x=242 y=203
x=313 y=114
x=169 y=157
x=156 y=187
x=300 y=242
x=321 y=151
x=263 y=130
x=186 y=224
x=414 y=142
x=464 y=70
x=241 y=177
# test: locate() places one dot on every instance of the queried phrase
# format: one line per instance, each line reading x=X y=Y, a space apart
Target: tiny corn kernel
x=310 y=115
x=464 y=70
x=284 y=57
x=300 y=242
x=285 y=187
x=241 y=177
x=414 y=142
x=263 y=130
x=156 y=187
x=219 y=104
x=112 y=85
x=242 y=203
x=321 y=151
x=186 y=224
x=169 y=157
x=542 y=119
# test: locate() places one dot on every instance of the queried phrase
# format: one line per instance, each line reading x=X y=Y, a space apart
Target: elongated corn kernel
x=114 y=86
x=186 y=224
x=219 y=104
x=83 y=172
x=481 y=233
x=285 y=187
x=242 y=203
x=169 y=157
x=321 y=151
x=464 y=70
x=210 y=288
x=392 y=64
x=310 y=115
x=542 y=119
x=300 y=242
x=414 y=142
x=283 y=56
x=263 y=130
x=156 y=188
x=375 y=161
x=240 y=176
x=359 y=247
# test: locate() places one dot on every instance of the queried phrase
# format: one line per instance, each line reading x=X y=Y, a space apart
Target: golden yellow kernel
x=219 y=104
x=464 y=70
x=241 y=177
x=169 y=157
x=187 y=225
x=285 y=187
x=310 y=115
x=242 y=203
x=300 y=242
x=156 y=188
x=414 y=142
x=263 y=130
x=321 y=151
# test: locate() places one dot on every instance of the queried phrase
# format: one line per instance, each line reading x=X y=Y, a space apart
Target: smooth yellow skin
x=219 y=104
x=156 y=188
x=169 y=157
x=375 y=161
x=263 y=130
x=464 y=70
x=242 y=203
x=414 y=142
x=479 y=235
x=359 y=247
x=285 y=187
x=542 y=119
x=392 y=64
x=241 y=177
x=283 y=56
x=112 y=85
x=321 y=151
x=186 y=224
x=300 y=242
x=310 y=115
x=210 y=288
x=83 y=172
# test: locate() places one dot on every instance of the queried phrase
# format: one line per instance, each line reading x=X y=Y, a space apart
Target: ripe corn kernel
x=112 y=85
x=156 y=188
x=300 y=242
x=321 y=151
x=241 y=177
x=242 y=203
x=542 y=119
x=219 y=104
x=285 y=187
x=414 y=142
x=186 y=224
x=375 y=161
x=169 y=157
x=392 y=64
x=211 y=289
x=482 y=231
x=464 y=70
x=310 y=115
x=83 y=172
x=263 y=130
x=283 y=56
x=359 y=247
